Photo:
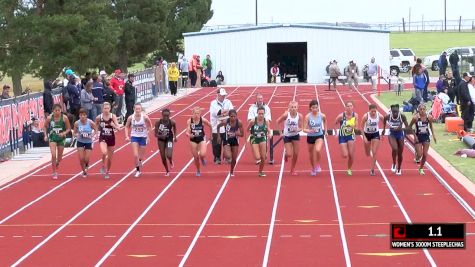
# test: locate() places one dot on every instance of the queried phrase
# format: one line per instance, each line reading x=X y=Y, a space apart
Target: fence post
x=460 y=23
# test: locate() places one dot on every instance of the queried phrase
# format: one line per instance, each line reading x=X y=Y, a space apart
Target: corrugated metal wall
x=242 y=55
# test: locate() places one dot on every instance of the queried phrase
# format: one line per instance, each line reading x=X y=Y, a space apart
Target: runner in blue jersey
x=84 y=131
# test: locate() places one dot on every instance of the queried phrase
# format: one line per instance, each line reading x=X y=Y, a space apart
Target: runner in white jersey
x=292 y=126
x=370 y=126
x=139 y=126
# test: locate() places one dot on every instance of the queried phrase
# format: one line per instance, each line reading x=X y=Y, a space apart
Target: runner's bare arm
x=174 y=130
x=67 y=124
x=241 y=130
x=305 y=125
x=431 y=120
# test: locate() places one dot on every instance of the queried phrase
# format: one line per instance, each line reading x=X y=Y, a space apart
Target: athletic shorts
x=257 y=140
x=371 y=136
x=423 y=138
x=142 y=141
x=109 y=140
x=289 y=139
x=168 y=143
x=86 y=146
x=197 y=140
x=58 y=142
x=313 y=139
x=345 y=139
x=399 y=135
x=231 y=142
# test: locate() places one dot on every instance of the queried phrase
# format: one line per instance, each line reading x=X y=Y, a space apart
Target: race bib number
x=196 y=132
x=107 y=131
x=170 y=144
x=317 y=129
x=139 y=129
x=57 y=130
x=371 y=129
x=347 y=130
x=86 y=135
x=293 y=129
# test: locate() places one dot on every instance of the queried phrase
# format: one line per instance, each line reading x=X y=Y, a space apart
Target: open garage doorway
x=291 y=59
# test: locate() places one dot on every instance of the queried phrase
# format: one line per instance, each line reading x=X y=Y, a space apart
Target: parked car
x=401 y=60
x=433 y=60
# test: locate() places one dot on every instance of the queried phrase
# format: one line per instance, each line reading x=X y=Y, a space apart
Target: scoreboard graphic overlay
x=431 y=235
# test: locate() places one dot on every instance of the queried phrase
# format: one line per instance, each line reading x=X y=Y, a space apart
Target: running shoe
x=417 y=160
x=313 y=172
x=261 y=174
x=294 y=173
x=217 y=161
x=232 y=174
x=106 y=176
x=198 y=174
x=393 y=167
x=103 y=170
x=55 y=176
x=318 y=168
x=167 y=174
x=349 y=172
x=371 y=173
x=421 y=172
x=84 y=174
x=258 y=162
x=137 y=174
x=203 y=162
x=399 y=172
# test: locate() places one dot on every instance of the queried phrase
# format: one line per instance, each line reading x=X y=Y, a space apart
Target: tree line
x=42 y=37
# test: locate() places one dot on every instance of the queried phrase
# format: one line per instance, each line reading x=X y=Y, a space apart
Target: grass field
x=447 y=143
x=431 y=43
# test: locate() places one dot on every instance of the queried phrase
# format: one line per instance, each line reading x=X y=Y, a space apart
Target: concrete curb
x=458 y=176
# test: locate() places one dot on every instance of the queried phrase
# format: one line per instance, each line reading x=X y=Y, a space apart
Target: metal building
x=245 y=55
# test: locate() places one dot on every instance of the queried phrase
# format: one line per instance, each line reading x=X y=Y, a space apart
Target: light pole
x=445 y=15
x=256 y=12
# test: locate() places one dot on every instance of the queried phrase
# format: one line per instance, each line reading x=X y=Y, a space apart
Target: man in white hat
x=218 y=111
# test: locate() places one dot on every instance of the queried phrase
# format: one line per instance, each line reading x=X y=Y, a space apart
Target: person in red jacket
x=117 y=84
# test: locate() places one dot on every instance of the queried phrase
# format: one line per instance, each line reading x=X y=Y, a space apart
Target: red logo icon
x=399 y=231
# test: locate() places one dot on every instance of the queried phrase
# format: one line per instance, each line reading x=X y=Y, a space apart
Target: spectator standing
x=466 y=104
x=184 y=65
x=109 y=94
x=87 y=99
x=454 y=64
x=98 y=93
x=334 y=72
x=192 y=69
x=173 y=74
x=419 y=81
x=352 y=74
x=449 y=84
x=117 y=84
x=48 y=100
x=199 y=71
x=274 y=73
x=443 y=63
x=87 y=78
x=372 y=72
x=207 y=66
x=5 y=92
x=220 y=78
x=74 y=97
x=219 y=109
x=130 y=95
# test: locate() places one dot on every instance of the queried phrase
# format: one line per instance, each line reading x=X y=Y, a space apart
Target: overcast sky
x=288 y=11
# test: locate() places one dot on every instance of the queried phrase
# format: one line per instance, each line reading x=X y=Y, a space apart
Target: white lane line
x=142 y=215
x=71 y=236
x=270 y=233
x=72 y=178
x=184 y=236
x=148 y=236
x=46 y=165
x=398 y=201
x=215 y=201
x=167 y=236
x=17 y=236
x=337 y=201
x=274 y=212
x=38 y=246
x=88 y=236
x=110 y=236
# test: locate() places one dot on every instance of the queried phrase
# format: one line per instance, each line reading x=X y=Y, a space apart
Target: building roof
x=243 y=28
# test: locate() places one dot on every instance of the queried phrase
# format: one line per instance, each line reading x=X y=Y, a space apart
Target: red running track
x=215 y=220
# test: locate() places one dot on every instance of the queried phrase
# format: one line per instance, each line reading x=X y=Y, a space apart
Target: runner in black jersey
x=105 y=124
x=423 y=122
x=233 y=130
x=195 y=131
x=165 y=131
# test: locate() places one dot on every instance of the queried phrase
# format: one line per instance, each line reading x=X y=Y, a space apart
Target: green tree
x=185 y=16
x=16 y=46
x=77 y=34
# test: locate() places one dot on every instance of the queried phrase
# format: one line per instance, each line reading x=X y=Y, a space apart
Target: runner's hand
x=127 y=138
x=46 y=138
